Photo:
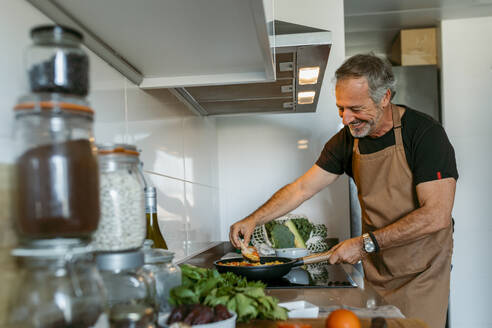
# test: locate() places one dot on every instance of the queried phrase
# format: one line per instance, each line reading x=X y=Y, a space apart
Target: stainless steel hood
x=296 y=47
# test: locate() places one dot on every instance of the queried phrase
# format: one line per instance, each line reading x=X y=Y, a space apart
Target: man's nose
x=348 y=117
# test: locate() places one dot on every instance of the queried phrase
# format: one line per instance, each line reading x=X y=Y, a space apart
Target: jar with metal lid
x=166 y=274
x=125 y=280
x=55 y=61
x=123 y=223
x=60 y=287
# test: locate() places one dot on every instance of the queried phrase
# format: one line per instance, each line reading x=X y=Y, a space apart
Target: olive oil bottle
x=153 y=231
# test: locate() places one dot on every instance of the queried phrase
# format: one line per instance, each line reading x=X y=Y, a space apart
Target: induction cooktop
x=321 y=275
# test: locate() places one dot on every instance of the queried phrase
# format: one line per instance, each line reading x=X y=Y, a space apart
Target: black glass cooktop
x=321 y=275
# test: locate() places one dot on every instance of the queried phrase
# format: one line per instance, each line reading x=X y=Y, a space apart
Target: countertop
x=320 y=323
x=192 y=249
x=323 y=297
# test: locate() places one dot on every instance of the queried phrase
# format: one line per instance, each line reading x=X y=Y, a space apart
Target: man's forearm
x=282 y=202
x=413 y=226
x=436 y=203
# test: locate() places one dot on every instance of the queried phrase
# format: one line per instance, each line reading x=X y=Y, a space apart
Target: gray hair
x=377 y=72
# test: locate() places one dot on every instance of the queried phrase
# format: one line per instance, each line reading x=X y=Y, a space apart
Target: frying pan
x=269 y=272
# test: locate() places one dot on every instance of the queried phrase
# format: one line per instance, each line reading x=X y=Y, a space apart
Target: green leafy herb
x=209 y=287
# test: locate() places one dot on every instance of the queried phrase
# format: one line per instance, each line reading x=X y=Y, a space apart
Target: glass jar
x=57 y=175
x=59 y=288
x=55 y=61
x=166 y=274
x=132 y=316
x=125 y=281
x=123 y=223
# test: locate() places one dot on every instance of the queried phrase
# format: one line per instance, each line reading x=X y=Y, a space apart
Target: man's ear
x=386 y=98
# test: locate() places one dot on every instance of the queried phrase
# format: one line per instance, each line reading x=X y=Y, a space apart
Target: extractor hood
x=301 y=55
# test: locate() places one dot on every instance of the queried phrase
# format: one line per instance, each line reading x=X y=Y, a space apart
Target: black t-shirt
x=429 y=153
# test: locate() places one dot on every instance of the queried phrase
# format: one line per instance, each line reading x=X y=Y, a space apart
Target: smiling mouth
x=356 y=124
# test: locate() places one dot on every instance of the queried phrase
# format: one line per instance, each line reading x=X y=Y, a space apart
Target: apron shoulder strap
x=397 y=126
x=355 y=149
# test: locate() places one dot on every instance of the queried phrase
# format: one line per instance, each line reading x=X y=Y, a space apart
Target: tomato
x=342 y=319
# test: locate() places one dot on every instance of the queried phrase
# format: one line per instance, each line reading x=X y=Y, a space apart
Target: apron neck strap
x=396 y=117
x=397 y=125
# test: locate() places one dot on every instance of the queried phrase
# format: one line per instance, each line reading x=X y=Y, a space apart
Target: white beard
x=367 y=126
x=361 y=132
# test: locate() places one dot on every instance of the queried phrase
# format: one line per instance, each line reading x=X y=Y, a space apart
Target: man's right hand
x=244 y=229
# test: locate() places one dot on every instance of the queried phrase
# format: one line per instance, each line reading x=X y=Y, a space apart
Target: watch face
x=368 y=244
x=369 y=247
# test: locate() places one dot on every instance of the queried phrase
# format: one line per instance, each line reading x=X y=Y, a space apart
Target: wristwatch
x=370 y=245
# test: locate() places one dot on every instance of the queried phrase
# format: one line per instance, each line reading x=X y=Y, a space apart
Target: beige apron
x=414 y=277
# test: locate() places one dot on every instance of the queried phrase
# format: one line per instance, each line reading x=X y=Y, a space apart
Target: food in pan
x=244 y=263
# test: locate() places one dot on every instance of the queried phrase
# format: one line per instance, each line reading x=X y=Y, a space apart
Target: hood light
x=308 y=75
x=305 y=97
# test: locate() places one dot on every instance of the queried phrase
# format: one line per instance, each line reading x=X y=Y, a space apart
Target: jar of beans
x=55 y=61
x=123 y=223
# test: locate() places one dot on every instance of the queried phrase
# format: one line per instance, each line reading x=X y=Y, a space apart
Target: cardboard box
x=415 y=47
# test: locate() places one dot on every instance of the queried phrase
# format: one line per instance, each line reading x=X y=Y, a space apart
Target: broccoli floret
x=304 y=227
x=282 y=237
x=299 y=241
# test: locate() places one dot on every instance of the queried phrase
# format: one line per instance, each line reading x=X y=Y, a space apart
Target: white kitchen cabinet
x=175 y=43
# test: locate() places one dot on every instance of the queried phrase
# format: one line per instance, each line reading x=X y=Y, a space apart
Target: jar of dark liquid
x=56 y=164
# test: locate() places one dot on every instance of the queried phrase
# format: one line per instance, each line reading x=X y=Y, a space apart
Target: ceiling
x=373 y=25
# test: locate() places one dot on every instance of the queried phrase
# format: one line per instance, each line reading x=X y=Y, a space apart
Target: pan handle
x=316 y=258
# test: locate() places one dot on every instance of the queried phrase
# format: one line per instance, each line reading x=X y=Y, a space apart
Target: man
x=405 y=171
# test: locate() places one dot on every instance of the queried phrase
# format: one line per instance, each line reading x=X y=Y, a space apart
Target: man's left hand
x=348 y=251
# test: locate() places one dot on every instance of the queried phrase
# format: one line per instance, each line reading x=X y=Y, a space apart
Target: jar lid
x=118 y=149
x=120 y=260
x=52 y=251
x=57 y=30
x=156 y=255
x=54 y=106
x=131 y=312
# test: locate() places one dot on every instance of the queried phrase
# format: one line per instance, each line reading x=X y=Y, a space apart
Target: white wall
x=467 y=99
x=178 y=149
x=258 y=154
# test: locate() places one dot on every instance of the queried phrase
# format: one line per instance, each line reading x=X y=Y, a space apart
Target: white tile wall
x=466 y=86
x=163 y=142
x=201 y=205
x=259 y=154
x=200 y=150
x=176 y=146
